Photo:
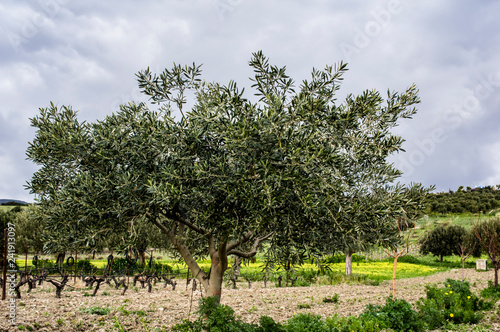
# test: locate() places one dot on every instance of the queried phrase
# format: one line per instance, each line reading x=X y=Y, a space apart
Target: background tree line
x=464 y=200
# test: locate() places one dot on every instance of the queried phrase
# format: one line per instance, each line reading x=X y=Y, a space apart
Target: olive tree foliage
x=224 y=176
x=371 y=203
x=137 y=241
x=411 y=209
x=444 y=241
x=29 y=232
x=373 y=217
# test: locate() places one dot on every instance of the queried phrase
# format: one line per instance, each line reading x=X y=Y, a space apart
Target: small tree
x=404 y=227
x=488 y=234
x=443 y=241
x=29 y=232
x=467 y=248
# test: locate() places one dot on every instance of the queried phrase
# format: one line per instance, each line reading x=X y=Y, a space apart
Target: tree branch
x=174 y=216
x=244 y=238
x=253 y=251
x=184 y=251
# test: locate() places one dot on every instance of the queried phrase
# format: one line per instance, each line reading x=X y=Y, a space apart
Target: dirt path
x=163 y=307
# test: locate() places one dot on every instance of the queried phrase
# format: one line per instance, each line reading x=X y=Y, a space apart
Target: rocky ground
x=139 y=310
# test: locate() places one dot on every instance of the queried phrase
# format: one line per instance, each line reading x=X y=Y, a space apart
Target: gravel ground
x=139 y=310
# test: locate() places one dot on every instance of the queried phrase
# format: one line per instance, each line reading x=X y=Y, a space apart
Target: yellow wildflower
x=451 y=315
x=468 y=297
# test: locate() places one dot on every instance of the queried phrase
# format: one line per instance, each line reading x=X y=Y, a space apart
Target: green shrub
x=214 y=317
x=446 y=306
x=363 y=323
x=306 y=277
x=158 y=267
x=122 y=265
x=96 y=311
x=408 y=259
x=306 y=323
x=491 y=292
x=267 y=324
x=396 y=314
x=332 y=299
x=84 y=266
x=47 y=264
x=452 y=303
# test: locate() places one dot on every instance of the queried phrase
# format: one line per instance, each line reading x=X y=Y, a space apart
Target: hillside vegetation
x=477 y=200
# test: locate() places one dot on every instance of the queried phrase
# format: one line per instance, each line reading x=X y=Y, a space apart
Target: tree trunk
x=463 y=269
x=237 y=266
x=142 y=257
x=348 y=263
x=217 y=269
x=287 y=273
x=394 y=277
x=60 y=258
x=496 y=266
x=441 y=258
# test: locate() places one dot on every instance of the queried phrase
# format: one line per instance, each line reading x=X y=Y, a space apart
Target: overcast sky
x=86 y=53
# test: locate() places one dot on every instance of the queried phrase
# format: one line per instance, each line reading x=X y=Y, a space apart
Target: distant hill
x=14 y=201
x=472 y=200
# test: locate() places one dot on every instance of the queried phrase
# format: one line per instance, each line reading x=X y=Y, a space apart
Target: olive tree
x=222 y=177
x=444 y=241
x=488 y=234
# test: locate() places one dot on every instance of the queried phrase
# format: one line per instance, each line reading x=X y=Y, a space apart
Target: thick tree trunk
x=348 y=263
x=217 y=268
x=215 y=284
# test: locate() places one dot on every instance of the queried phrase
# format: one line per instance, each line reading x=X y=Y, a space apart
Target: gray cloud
x=85 y=54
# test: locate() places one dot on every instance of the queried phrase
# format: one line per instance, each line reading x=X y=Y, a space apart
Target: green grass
x=465 y=220
x=6 y=208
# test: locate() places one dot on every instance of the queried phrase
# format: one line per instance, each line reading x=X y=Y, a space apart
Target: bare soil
x=139 y=310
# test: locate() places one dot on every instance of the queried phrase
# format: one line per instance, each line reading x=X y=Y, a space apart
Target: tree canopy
x=470 y=200
x=227 y=174
x=444 y=241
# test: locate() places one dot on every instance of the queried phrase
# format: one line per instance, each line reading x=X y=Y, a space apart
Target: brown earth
x=162 y=308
